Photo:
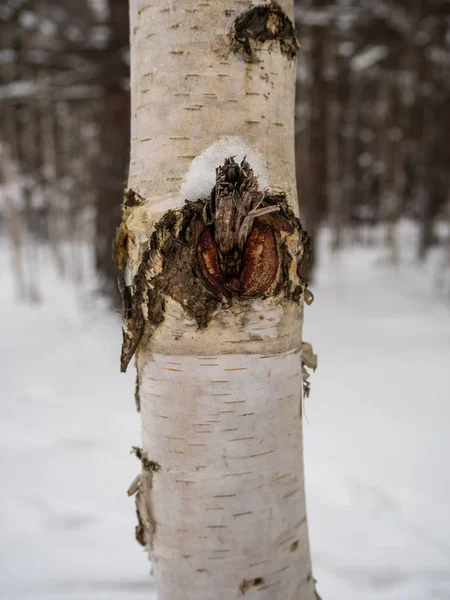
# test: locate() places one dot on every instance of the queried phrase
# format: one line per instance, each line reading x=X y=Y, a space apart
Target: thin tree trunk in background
x=390 y=199
x=434 y=198
x=8 y=162
x=49 y=177
x=333 y=162
x=28 y=143
x=112 y=169
x=350 y=104
x=215 y=306
x=315 y=209
x=384 y=122
x=302 y=142
x=114 y=120
x=398 y=171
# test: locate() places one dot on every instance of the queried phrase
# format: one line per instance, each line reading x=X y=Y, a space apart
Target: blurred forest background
x=373 y=120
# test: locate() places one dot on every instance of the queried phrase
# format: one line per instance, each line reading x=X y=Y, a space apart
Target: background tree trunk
x=317 y=135
x=114 y=121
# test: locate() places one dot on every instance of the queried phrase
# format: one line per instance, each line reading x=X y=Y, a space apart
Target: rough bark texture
x=315 y=207
x=214 y=309
x=239 y=243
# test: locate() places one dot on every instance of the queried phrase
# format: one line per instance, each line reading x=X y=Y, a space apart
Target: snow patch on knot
x=201 y=176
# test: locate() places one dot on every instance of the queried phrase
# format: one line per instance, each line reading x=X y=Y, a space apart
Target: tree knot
x=265 y=24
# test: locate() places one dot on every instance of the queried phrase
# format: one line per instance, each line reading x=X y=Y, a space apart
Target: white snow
x=377 y=441
x=368 y=58
x=200 y=178
x=376 y=434
x=67 y=424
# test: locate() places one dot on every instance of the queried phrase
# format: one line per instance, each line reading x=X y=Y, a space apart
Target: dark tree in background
x=65 y=120
x=372 y=127
x=114 y=122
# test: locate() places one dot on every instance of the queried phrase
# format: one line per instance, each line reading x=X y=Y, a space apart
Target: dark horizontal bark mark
x=249 y=585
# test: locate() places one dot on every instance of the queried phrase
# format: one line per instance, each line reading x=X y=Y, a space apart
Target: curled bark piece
x=309 y=361
x=134 y=486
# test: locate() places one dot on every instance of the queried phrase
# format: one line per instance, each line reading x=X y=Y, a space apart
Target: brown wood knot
x=251 y=274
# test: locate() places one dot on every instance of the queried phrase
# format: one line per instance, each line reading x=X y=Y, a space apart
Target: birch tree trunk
x=218 y=261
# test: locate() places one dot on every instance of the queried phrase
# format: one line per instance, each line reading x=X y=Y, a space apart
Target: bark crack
x=251 y=585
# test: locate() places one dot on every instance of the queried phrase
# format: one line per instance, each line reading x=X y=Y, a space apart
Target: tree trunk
x=114 y=146
x=8 y=178
x=333 y=147
x=50 y=184
x=215 y=308
x=316 y=206
x=111 y=173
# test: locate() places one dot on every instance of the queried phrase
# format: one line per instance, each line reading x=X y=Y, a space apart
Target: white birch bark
x=221 y=496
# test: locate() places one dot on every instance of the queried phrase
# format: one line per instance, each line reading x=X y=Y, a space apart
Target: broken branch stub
x=262 y=24
x=238 y=244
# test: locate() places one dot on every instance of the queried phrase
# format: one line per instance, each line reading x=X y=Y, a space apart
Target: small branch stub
x=262 y=24
x=240 y=243
x=236 y=255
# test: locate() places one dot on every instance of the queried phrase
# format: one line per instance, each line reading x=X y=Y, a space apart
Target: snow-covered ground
x=377 y=438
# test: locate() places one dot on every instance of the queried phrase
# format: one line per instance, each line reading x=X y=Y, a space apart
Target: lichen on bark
x=239 y=244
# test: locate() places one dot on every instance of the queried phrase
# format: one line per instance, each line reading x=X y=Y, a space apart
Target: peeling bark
x=238 y=244
x=142 y=486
